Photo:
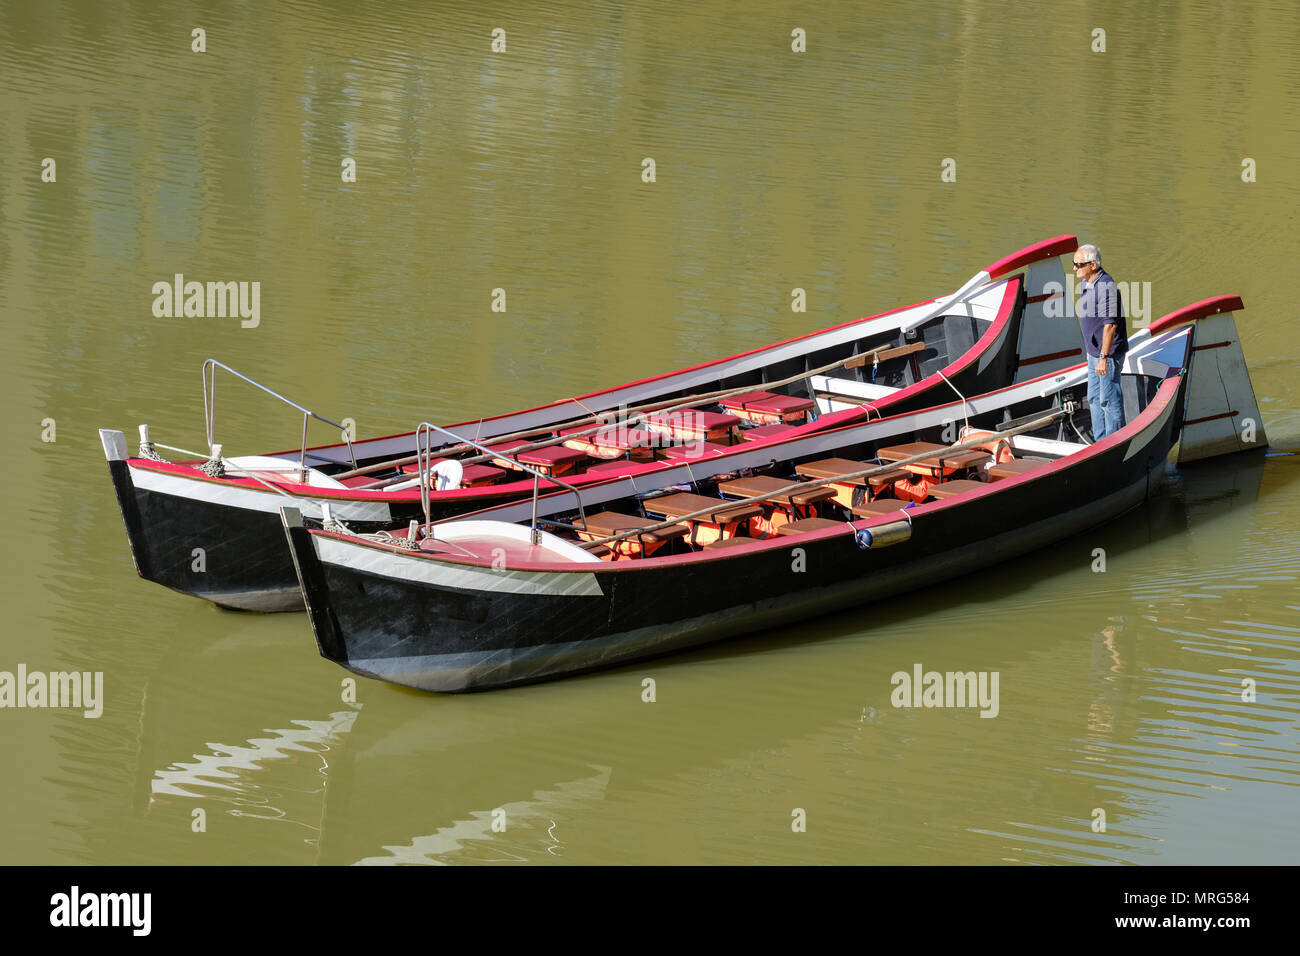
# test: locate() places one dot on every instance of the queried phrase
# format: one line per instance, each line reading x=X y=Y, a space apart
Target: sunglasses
x=1080 y=265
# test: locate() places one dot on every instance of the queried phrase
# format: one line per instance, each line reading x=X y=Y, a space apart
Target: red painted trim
x=1047 y=358
x=643 y=381
x=956 y=406
x=492 y=493
x=1157 y=407
x=1044 y=297
x=1213 y=345
x=1195 y=311
x=1041 y=250
x=1047 y=249
x=961 y=362
x=1209 y=418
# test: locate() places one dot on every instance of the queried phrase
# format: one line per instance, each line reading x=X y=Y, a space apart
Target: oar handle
x=818 y=482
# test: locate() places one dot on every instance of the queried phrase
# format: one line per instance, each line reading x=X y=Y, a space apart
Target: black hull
x=248 y=567
x=245 y=565
x=237 y=570
x=444 y=638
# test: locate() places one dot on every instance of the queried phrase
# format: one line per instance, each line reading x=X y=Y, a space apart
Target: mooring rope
x=150 y=453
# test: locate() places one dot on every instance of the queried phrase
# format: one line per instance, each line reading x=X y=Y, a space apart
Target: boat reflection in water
x=482 y=827
x=694 y=770
x=415 y=780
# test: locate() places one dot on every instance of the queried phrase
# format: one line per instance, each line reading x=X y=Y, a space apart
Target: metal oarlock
x=424 y=451
x=210 y=367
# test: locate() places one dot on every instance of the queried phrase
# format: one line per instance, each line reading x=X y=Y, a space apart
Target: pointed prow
x=1222 y=416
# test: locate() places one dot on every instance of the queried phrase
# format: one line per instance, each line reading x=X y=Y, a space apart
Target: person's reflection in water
x=1108 y=664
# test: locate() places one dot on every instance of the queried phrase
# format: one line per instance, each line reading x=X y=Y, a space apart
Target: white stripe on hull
x=398 y=567
x=252 y=499
x=466 y=671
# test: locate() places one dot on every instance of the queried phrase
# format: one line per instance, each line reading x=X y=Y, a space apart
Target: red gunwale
x=962 y=361
x=1164 y=395
x=1196 y=311
x=827 y=422
x=1048 y=248
x=642 y=381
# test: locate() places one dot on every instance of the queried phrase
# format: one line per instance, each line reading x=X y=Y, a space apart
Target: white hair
x=1090 y=253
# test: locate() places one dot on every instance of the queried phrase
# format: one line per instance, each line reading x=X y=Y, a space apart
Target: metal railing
x=210 y=367
x=424 y=453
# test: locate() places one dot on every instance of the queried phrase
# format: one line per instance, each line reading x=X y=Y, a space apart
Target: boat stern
x=117 y=453
x=311 y=581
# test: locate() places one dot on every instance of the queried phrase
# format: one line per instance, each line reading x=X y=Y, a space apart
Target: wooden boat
x=623 y=570
x=226 y=509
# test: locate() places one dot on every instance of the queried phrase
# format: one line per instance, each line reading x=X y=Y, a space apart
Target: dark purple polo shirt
x=1100 y=305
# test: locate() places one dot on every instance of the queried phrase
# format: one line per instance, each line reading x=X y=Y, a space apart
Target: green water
x=522 y=171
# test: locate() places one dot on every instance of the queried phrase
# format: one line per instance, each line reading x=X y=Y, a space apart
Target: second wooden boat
x=756 y=538
x=227 y=507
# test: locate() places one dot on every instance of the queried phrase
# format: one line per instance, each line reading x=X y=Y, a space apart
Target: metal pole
x=302 y=458
x=536 y=535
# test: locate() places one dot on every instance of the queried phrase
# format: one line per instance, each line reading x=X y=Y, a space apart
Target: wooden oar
x=1004 y=266
x=633 y=415
x=804 y=485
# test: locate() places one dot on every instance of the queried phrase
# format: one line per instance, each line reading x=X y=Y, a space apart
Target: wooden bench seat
x=877 y=507
x=942 y=462
x=692 y=424
x=765 y=485
x=722 y=521
x=946 y=489
x=887 y=477
x=809 y=524
x=848 y=489
x=613 y=441
x=768 y=408
x=1009 y=469
x=605 y=523
x=778 y=510
x=552 y=460
x=507 y=448
x=833 y=468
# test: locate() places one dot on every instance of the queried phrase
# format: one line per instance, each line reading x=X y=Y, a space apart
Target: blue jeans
x=1105 y=400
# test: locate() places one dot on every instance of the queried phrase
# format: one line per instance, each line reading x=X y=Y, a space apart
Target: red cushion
x=551 y=455
x=477 y=473
x=779 y=404
x=614 y=436
x=694 y=419
x=740 y=401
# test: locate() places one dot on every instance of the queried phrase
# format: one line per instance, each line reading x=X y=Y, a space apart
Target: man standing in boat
x=1105 y=337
